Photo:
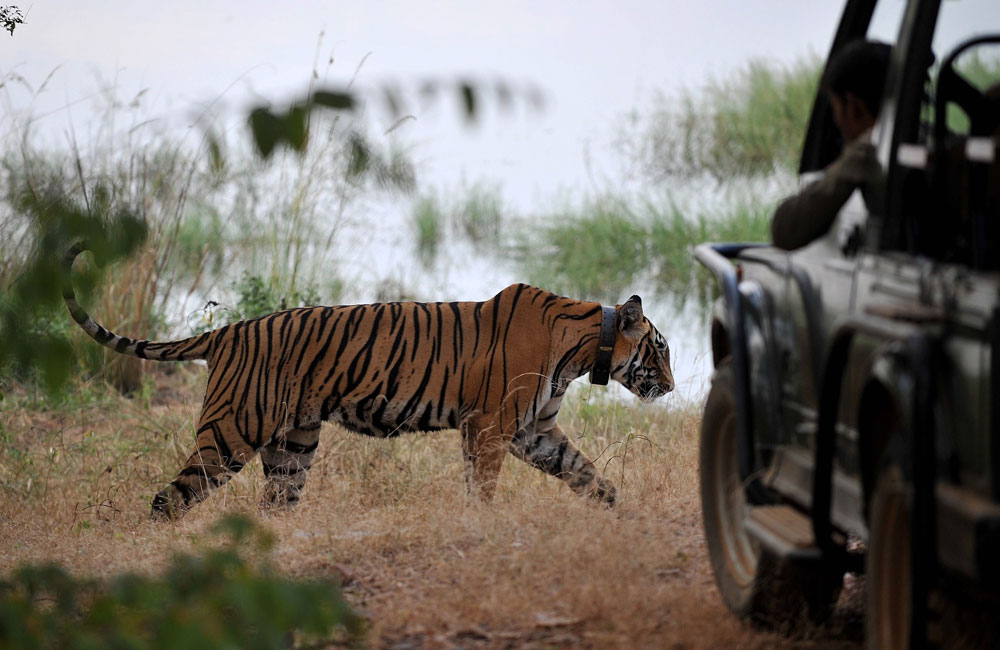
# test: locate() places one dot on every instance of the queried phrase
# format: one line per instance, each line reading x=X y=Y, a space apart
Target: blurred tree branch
x=11 y=17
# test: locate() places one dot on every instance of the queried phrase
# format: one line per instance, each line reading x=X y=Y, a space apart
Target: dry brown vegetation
x=537 y=568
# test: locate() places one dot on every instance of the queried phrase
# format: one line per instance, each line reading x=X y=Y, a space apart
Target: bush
x=32 y=286
x=257 y=298
x=216 y=599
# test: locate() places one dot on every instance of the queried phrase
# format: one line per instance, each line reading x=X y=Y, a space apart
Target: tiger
x=496 y=371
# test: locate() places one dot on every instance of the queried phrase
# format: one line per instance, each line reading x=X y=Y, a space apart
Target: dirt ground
x=426 y=566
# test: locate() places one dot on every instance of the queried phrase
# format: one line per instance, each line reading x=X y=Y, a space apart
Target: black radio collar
x=601 y=371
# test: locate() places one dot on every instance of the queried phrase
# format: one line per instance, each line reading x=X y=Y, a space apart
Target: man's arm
x=805 y=216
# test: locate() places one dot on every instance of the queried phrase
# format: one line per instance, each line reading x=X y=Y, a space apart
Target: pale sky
x=594 y=60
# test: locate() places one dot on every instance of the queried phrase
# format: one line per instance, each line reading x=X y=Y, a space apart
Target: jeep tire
x=755 y=584
x=887 y=564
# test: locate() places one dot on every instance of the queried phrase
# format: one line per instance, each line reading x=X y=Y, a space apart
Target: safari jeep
x=853 y=422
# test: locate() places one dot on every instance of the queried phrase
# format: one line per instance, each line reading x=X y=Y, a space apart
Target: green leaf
x=468 y=94
x=296 y=125
x=215 y=155
x=359 y=155
x=266 y=129
x=335 y=99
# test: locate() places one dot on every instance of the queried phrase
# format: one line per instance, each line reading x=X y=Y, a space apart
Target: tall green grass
x=481 y=214
x=428 y=224
x=475 y=214
x=596 y=251
x=603 y=246
x=749 y=123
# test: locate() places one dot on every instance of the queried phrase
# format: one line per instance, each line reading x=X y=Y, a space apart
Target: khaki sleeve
x=804 y=216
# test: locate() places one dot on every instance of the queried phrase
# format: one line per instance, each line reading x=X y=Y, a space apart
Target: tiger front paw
x=279 y=496
x=605 y=492
x=168 y=504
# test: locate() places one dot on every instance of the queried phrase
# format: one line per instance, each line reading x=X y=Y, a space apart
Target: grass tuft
x=476 y=216
x=428 y=221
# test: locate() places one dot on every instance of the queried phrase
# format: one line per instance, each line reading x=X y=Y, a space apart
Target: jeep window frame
x=890 y=221
x=823 y=143
x=901 y=116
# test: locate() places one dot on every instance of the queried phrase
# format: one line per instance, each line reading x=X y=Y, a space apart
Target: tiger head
x=641 y=358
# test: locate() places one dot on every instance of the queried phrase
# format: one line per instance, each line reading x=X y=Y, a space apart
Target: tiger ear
x=630 y=317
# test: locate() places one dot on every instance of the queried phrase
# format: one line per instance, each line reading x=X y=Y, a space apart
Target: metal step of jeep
x=784 y=531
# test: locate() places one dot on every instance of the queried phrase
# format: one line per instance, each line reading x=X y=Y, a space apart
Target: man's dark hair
x=859 y=68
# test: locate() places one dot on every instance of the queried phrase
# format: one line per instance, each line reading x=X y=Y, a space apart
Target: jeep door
x=819 y=282
x=933 y=260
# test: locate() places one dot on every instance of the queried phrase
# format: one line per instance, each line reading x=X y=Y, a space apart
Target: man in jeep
x=854 y=82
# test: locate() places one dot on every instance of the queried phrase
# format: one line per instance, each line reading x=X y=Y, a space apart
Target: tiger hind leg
x=221 y=452
x=552 y=452
x=286 y=461
x=484 y=449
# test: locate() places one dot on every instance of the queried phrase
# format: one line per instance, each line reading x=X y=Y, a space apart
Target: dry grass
x=538 y=567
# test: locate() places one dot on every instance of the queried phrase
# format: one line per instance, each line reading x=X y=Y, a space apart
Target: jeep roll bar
x=716 y=258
